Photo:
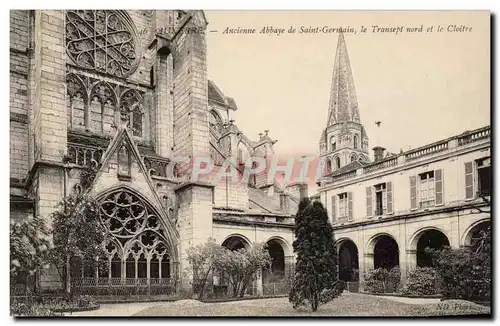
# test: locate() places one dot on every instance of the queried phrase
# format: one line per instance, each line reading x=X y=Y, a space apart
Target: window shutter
x=369 y=211
x=413 y=192
x=438 y=177
x=389 y=197
x=334 y=209
x=349 y=203
x=469 y=181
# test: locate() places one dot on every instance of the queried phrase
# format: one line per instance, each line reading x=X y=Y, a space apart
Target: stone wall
x=19 y=68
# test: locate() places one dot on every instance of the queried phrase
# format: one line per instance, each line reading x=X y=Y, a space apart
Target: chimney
x=378 y=153
x=303 y=191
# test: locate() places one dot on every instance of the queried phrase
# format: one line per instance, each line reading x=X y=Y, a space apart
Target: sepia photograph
x=250 y=163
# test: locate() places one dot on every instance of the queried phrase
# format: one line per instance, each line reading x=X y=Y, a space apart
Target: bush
x=463 y=274
x=26 y=309
x=422 y=281
x=382 y=280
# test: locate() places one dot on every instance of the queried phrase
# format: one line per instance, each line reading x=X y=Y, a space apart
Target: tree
x=315 y=279
x=29 y=245
x=239 y=267
x=201 y=258
x=77 y=236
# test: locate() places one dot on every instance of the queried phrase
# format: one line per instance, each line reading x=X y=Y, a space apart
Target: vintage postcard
x=250 y=163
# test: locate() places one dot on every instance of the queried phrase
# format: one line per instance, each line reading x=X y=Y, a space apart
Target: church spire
x=343 y=102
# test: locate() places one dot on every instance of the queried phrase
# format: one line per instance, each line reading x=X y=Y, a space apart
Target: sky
x=423 y=86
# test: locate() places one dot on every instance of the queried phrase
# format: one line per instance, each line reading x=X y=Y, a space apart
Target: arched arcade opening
x=476 y=234
x=385 y=252
x=348 y=261
x=432 y=239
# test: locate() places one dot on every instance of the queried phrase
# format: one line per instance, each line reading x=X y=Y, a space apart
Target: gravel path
x=116 y=309
x=410 y=300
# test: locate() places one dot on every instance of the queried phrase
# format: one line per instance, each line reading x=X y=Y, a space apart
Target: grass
x=350 y=304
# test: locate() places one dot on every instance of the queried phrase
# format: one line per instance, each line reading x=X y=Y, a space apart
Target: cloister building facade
x=386 y=212
x=127 y=94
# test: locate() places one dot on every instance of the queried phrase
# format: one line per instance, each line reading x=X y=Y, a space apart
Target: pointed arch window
x=356 y=141
x=333 y=143
x=131 y=112
x=328 y=168
x=124 y=161
x=137 y=248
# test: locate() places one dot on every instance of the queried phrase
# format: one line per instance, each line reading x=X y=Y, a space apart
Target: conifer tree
x=315 y=280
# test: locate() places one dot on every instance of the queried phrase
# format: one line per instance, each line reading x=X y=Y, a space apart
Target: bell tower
x=344 y=140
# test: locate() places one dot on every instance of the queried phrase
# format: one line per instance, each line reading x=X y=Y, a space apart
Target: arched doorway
x=222 y=282
x=235 y=242
x=278 y=258
x=475 y=235
x=348 y=261
x=385 y=252
x=275 y=279
x=432 y=239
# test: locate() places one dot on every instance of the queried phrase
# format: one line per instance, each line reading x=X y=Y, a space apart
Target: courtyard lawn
x=349 y=304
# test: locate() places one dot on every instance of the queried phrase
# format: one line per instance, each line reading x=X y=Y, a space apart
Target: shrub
x=464 y=274
x=382 y=280
x=422 y=281
x=315 y=278
x=26 y=309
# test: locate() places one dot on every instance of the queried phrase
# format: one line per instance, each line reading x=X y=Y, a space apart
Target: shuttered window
x=469 y=181
x=389 y=198
x=349 y=204
x=369 y=210
x=334 y=209
x=438 y=176
x=413 y=192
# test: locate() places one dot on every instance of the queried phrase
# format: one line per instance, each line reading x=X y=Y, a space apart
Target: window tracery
x=136 y=244
x=101 y=40
x=131 y=111
x=93 y=103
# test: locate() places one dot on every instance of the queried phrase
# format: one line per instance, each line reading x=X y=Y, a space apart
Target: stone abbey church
x=127 y=93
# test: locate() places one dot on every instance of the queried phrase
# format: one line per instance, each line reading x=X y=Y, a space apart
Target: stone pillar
x=369 y=263
x=164 y=103
x=258 y=285
x=191 y=130
x=194 y=220
x=289 y=266
x=48 y=119
x=50 y=123
x=411 y=259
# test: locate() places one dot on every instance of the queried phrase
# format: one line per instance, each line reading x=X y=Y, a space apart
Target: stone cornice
x=190 y=184
x=412 y=215
x=405 y=166
x=251 y=223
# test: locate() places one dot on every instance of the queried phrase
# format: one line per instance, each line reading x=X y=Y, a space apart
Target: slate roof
x=215 y=95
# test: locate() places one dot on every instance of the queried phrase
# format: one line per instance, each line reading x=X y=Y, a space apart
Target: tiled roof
x=216 y=95
x=349 y=167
